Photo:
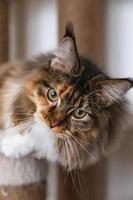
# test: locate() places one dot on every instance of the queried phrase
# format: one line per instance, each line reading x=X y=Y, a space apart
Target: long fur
x=33 y=124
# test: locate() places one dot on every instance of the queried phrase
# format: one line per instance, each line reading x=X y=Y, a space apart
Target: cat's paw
x=15 y=146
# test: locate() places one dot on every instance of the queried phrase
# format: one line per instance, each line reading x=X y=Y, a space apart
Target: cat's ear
x=112 y=90
x=66 y=55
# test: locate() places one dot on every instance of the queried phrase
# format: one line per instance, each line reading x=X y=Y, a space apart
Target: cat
x=61 y=107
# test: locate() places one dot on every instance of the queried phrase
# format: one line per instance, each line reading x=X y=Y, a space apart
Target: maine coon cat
x=60 y=107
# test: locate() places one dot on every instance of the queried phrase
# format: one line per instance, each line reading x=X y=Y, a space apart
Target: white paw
x=16 y=146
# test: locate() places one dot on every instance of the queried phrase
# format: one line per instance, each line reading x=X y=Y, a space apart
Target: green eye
x=52 y=95
x=79 y=114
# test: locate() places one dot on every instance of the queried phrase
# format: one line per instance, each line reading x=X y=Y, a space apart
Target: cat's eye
x=52 y=94
x=79 y=114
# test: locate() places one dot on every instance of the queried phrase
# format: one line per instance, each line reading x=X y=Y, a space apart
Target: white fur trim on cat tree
x=21 y=172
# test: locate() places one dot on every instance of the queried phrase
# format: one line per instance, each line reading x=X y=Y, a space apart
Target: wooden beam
x=3 y=31
x=87 y=17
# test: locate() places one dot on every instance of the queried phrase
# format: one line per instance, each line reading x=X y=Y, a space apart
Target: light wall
x=33 y=27
x=119 y=63
x=119 y=40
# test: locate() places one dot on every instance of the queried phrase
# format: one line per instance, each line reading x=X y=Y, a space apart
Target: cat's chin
x=59 y=135
x=77 y=160
x=82 y=164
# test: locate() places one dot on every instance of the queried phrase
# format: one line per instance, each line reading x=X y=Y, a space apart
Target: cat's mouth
x=56 y=129
x=59 y=132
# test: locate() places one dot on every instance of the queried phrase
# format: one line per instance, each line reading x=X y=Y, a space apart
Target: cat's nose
x=53 y=124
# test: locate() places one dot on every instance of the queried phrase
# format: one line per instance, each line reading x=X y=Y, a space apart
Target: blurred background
x=104 y=32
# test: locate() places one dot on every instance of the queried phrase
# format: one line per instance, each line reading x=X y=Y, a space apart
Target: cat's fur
x=33 y=124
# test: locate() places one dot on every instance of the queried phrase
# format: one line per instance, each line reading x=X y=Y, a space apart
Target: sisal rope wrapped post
x=25 y=192
x=87 y=18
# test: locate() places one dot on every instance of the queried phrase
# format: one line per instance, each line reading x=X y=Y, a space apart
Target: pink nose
x=53 y=124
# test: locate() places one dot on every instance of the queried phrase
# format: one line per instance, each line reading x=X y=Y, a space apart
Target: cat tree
x=19 y=179
x=22 y=179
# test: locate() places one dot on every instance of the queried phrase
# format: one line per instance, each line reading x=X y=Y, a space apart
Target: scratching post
x=22 y=179
x=33 y=191
x=87 y=18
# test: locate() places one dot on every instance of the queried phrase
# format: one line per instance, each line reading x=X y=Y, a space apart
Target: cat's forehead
x=71 y=93
x=63 y=88
x=71 y=85
x=80 y=90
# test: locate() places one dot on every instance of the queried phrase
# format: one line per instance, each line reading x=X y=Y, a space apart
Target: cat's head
x=81 y=105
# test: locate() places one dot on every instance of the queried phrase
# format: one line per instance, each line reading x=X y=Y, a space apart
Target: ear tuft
x=66 y=55
x=130 y=80
x=70 y=31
